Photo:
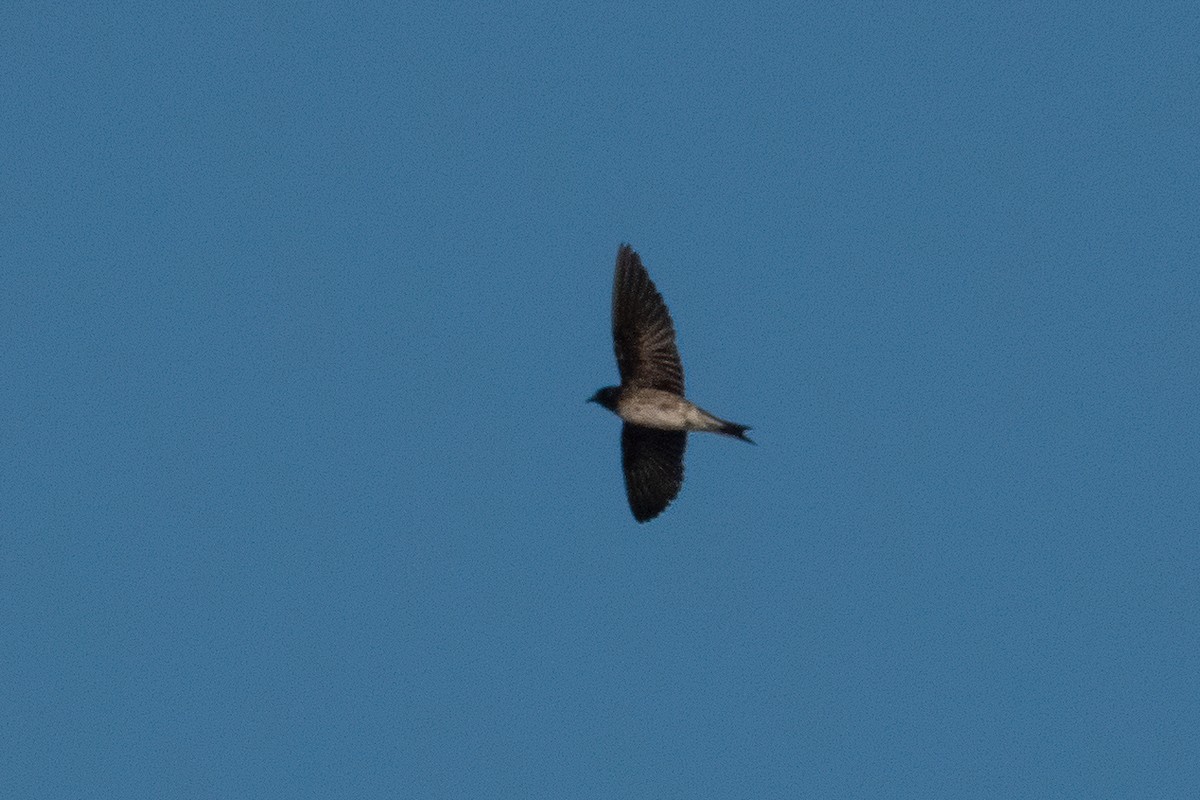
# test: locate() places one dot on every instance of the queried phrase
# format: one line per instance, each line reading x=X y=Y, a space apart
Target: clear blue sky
x=301 y=498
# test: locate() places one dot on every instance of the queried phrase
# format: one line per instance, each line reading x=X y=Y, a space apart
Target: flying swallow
x=650 y=398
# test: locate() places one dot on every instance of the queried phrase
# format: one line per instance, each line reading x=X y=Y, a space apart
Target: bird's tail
x=736 y=431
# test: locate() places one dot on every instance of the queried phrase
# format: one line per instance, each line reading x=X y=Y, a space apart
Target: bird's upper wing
x=643 y=336
x=653 y=463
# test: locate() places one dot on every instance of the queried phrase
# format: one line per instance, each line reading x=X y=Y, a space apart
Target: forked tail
x=736 y=431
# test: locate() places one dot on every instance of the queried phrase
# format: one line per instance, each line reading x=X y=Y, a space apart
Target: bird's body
x=650 y=398
x=667 y=411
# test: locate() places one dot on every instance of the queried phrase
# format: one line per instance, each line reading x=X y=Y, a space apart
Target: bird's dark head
x=606 y=397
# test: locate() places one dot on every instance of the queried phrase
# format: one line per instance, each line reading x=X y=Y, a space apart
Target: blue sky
x=302 y=303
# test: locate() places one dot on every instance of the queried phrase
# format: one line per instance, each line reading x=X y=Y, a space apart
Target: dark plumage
x=650 y=398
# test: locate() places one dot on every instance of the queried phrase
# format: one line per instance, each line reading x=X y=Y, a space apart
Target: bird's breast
x=652 y=408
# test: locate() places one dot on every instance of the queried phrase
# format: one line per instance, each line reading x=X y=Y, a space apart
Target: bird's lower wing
x=653 y=464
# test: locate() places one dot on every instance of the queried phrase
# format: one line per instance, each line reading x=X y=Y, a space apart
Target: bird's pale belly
x=652 y=408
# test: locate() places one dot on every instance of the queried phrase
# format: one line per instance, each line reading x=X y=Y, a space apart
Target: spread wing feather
x=653 y=463
x=643 y=335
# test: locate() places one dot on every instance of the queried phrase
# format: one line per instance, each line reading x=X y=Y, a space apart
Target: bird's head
x=606 y=397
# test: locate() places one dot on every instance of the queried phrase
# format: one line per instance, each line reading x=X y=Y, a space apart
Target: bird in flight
x=650 y=398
